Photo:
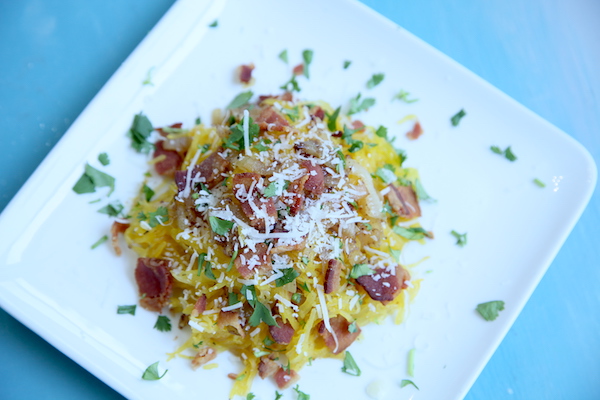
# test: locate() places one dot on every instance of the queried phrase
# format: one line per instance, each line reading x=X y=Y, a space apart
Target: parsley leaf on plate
x=356 y=105
x=350 y=367
x=283 y=56
x=347 y=64
x=163 y=323
x=461 y=238
x=307 y=56
x=457 y=117
x=112 y=209
x=126 y=309
x=99 y=242
x=411 y=233
x=140 y=130
x=289 y=274
x=151 y=373
x=490 y=310
x=359 y=270
x=240 y=100
x=103 y=158
x=375 y=80
x=406 y=382
x=160 y=216
x=220 y=226
x=92 y=179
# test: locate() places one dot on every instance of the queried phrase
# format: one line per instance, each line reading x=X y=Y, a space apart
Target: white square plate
x=52 y=282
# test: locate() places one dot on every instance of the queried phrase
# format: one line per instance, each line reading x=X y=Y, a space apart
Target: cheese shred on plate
x=274 y=235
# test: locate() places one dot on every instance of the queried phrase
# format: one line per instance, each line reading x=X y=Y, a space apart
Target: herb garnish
x=278 y=395
x=214 y=24
x=148 y=192
x=103 y=158
x=112 y=209
x=489 y=311
x=99 y=242
x=250 y=396
x=151 y=373
x=126 y=309
x=160 y=216
x=410 y=362
x=461 y=239
x=386 y=174
x=140 y=130
x=403 y=96
x=163 y=323
x=220 y=226
x=296 y=298
x=294 y=85
x=92 y=179
x=350 y=367
x=411 y=233
x=332 y=120
x=375 y=80
x=508 y=154
x=347 y=64
x=240 y=100
x=406 y=382
x=233 y=257
x=283 y=56
x=457 y=117
x=289 y=274
x=359 y=270
x=301 y=395
x=235 y=140
x=307 y=56
x=539 y=183
x=420 y=191
x=356 y=105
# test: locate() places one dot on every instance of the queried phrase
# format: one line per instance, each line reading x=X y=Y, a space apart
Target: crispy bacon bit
x=248 y=262
x=267 y=366
x=231 y=319
x=332 y=275
x=283 y=333
x=269 y=119
x=245 y=73
x=286 y=96
x=403 y=201
x=310 y=147
x=116 y=228
x=286 y=246
x=183 y=321
x=318 y=112
x=315 y=184
x=171 y=161
x=296 y=201
x=357 y=124
x=155 y=282
x=210 y=171
x=284 y=379
x=205 y=354
x=298 y=69
x=339 y=325
x=232 y=376
x=200 y=305
x=383 y=286
x=244 y=188
x=415 y=132
x=176 y=125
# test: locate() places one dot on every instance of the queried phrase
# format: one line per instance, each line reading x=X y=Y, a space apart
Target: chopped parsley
x=461 y=239
x=291 y=85
x=375 y=80
x=539 y=183
x=163 y=323
x=233 y=257
x=386 y=174
x=232 y=298
x=206 y=266
x=508 y=154
x=457 y=117
x=148 y=192
x=103 y=158
x=250 y=396
x=148 y=80
x=140 y=130
x=220 y=226
x=352 y=327
x=305 y=260
x=359 y=270
x=406 y=382
x=356 y=105
x=198 y=121
x=283 y=56
x=235 y=140
x=411 y=233
x=350 y=367
x=261 y=312
x=289 y=274
x=296 y=298
x=112 y=209
x=92 y=179
x=332 y=120
x=99 y=242
x=489 y=311
x=403 y=96
x=278 y=395
x=293 y=113
x=160 y=216
x=240 y=100
x=307 y=56
x=410 y=362
x=301 y=395
x=395 y=254
x=270 y=190
x=382 y=132
x=126 y=309
x=267 y=341
x=214 y=24
x=347 y=64
x=355 y=145
x=151 y=373
x=420 y=191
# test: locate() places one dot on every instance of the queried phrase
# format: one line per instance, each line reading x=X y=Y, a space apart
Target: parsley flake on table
x=220 y=226
x=289 y=274
x=103 y=158
x=350 y=367
x=151 y=373
x=140 y=130
x=92 y=179
x=461 y=238
x=490 y=310
x=375 y=80
x=283 y=56
x=406 y=382
x=240 y=100
x=307 y=56
x=126 y=309
x=356 y=105
x=403 y=96
x=112 y=209
x=301 y=395
x=457 y=117
x=99 y=242
x=163 y=323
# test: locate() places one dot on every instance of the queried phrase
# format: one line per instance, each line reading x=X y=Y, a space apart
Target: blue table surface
x=56 y=54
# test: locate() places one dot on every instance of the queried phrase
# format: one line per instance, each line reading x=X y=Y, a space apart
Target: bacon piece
x=288 y=246
x=318 y=112
x=200 y=305
x=155 y=282
x=283 y=333
x=184 y=320
x=358 y=124
x=232 y=319
x=269 y=119
x=116 y=228
x=244 y=188
x=415 y=132
x=403 y=201
x=286 y=96
x=332 y=275
x=245 y=73
x=248 y=262
x=315 y=184
x=176 y=125
x=296 y=202
x=205 y=354
x=383 y=286
x=339 y=325
x=284 y=379
x=171 y=162
x=310 y=147
x=298 y=69
x=210 y=171
x=267 y=366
